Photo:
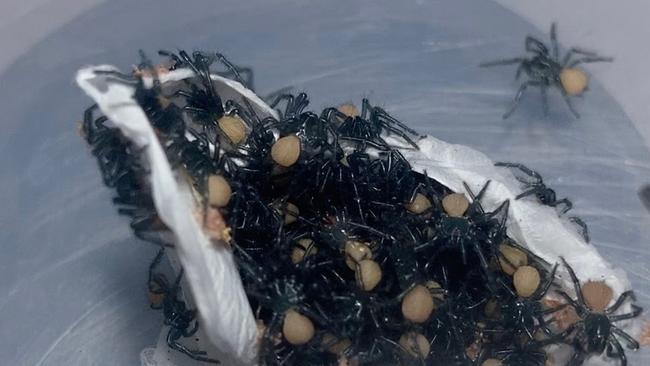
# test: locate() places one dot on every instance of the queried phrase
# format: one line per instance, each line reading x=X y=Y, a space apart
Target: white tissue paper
x=227 y=324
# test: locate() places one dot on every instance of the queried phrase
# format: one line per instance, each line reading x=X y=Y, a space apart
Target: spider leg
x=332 y=114
x=569 y=104
x=549 y=282
x=403 y=135
x=480 y=194
x=484 y=265
x=584 y=230
x=232 y=68
x=619 y=350
x=568 y=205
x=463 y=253
x=118 y=77
x=181 y=93
x=576 y=51
x=569 y=300
x=392 y=120
x=554 y=310
x=508 y=61
x=535 y=45
x=631 y=342
x=272 y=95
x=620 y=300
x=173 y=343
x=191 y=332
x=524 y=169
x=527 y=193
x=636 y=310
x=518 y=96
x=586 y=60
x=288 y=98
x=302 y=101
x=554 y=45
x=576 y=282
x=544 y=93
x=578 y=357
x=247 y=71
x=172 y=56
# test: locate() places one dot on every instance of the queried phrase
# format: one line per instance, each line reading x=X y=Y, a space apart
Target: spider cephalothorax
x=595 y=332
x=544 y=69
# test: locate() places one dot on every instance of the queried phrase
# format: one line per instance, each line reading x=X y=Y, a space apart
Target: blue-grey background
x=72 y=280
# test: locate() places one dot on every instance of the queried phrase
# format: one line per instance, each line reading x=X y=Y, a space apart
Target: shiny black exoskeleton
x=181 y=320
x=595 y=332
x=543 y=68
x=367 y=128
x=525 y=316
x=534 y=184
x=476 y=234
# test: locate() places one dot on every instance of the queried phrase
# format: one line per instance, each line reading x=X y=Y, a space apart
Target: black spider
x=595 y=332
x=278 y=298
x=545 y=69
x=535 y=186
x=203 y=102
x=453 y=329
x=526 y=352
x=294 y=105
x=546 y=196
x=524 y=315
x=178 y=62
x=163 y=114
x=122 y=170
x=367 y=128
x=181 y=320
x=475 y=232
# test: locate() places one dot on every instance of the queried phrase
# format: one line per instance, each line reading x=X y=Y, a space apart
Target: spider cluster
x=348 y=256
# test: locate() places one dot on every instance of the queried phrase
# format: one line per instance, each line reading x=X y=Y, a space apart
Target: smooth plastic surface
x=72 y=280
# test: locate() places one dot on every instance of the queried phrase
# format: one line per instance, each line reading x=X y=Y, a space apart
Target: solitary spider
x=545 y=69
x=596 y=332
x=546 y=196
x=535 y=186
